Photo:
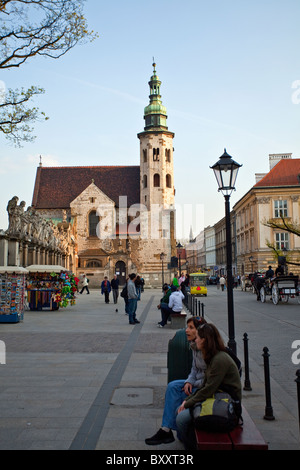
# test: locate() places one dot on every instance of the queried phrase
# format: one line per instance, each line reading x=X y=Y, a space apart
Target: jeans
x=165 y=313
x=184 y=423
x=138 y=291
x=115 y=295
x=132 y=304
x=174 y=396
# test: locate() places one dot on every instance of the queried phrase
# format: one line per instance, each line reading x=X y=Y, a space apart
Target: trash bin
x=179 y=357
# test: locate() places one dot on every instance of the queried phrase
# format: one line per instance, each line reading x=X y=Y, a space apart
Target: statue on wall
x=31 y=226
x=12 y=214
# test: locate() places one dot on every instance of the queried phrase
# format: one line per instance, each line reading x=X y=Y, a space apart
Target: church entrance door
x=120 y=270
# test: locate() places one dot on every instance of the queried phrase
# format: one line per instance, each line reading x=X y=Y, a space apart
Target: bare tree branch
x=32 y=28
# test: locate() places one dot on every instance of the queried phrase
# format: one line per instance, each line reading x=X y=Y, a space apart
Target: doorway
x=120 y=271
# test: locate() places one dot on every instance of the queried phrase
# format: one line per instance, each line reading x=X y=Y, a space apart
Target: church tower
x=156 y=152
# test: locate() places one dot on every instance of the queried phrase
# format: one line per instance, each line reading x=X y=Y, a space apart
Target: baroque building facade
x=122 y=217
x=275 y=194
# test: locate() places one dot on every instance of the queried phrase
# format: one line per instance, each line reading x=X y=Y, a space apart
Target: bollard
x=199 y=307
x=195 y=306
x=268 y=409
x=202 y=310
x=298 y=393
x=247 y=384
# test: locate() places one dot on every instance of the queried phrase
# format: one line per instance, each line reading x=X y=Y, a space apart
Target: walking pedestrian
x=132 y=299
x=124 y=294
x=222 y=282
x=115 y=288
x=243 y=280
x=85 y=284
x=138 y=287
x=105 y=289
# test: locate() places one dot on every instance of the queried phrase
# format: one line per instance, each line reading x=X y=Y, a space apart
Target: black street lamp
x=162 y=257
x=226 y=170
x=179 y=246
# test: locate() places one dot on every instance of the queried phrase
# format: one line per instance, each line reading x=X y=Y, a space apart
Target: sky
x=230 y=76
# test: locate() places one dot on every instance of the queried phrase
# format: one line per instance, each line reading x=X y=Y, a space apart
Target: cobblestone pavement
x=83 y=378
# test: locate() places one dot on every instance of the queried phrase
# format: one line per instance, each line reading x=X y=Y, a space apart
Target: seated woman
x=221 y=374
x=178 y=390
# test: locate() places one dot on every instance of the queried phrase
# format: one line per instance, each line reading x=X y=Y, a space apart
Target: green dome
x=155 y=114
x=155 y=108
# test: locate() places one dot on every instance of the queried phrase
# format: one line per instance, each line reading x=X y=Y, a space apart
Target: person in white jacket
x=175 y=301
x=174 y=305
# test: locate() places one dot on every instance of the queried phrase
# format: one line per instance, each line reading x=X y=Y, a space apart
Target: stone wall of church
x=102 y=255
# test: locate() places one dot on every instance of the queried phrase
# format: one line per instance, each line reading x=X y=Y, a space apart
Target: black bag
x=124 y=292
x=216 y=414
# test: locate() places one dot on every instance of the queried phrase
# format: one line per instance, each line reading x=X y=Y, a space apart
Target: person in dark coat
x=115 y=288
x=105 y=289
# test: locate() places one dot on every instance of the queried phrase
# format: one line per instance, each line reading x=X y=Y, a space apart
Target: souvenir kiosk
x=43 y=286
x=12 y=293
x=49 y=287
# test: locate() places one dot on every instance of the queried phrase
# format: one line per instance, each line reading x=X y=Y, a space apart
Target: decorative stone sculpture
x=30 y=226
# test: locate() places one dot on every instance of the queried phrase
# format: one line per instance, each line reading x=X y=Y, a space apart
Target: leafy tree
x=32 y=28
x=286 y=226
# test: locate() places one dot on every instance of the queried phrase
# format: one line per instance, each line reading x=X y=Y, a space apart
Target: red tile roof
x=57 y=187
x=285 y=173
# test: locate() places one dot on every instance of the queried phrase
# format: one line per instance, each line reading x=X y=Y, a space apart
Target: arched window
x=94 y=264
x=93 y=222
x=145 y=155
x=156 y=180
x=156 y=154
x=168 y=181
x=145 y=181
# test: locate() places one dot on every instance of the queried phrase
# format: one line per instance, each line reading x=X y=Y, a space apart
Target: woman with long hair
x=178 y=390
x=221 y=374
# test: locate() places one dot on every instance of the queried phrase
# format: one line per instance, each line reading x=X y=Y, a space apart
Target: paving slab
x=83 y=378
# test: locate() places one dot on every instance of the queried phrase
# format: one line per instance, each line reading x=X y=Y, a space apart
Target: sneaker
x=160 y=325
x=161 y=437
x=136 y=321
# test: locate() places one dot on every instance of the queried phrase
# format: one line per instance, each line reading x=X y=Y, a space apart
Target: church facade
x=122 y=217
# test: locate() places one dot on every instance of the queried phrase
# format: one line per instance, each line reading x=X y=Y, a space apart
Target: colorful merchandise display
x=50 y=289
x=12 y=294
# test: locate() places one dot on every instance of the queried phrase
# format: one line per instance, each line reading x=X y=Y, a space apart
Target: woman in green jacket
x=221 y=374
